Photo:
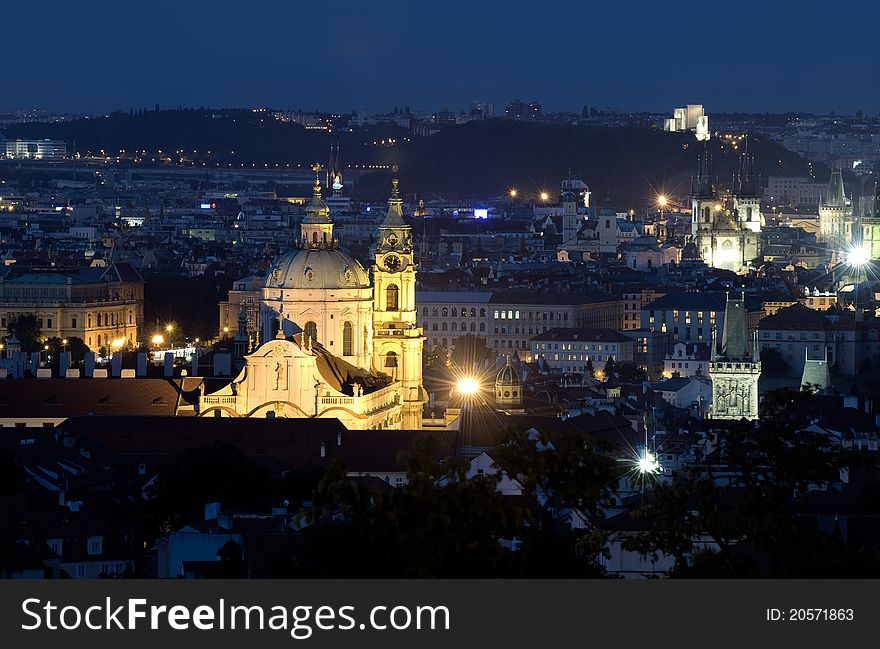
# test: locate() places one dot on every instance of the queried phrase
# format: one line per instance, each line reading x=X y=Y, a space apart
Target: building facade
x=102 y=306
x=332 y=344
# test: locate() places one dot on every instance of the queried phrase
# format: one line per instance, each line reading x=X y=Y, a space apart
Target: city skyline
x=357 y=56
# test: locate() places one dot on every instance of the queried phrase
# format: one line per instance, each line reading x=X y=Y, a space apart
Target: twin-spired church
x=333 y=343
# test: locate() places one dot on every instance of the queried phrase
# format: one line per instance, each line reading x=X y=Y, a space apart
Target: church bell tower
x=397 y=339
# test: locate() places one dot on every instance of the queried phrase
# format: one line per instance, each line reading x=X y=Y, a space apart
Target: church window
x=311 y=330
x=392 y=294
x=347 y=341
x=390 y=359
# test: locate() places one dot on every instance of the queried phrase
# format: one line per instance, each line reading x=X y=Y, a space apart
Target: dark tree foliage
x=741 y=512
x=470 y=353
x=443 y=524
x=216 y=473
x=190 y=303
x=773 y=363
x=27 y=329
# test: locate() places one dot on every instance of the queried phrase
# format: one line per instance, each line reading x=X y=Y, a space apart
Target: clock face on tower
x=392 y=263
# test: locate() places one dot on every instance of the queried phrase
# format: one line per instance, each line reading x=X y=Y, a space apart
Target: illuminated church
x=726 y=230
x=334 y=344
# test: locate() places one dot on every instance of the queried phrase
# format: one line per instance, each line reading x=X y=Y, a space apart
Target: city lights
x=545 y=196
x=169 y=328
x=662 y=200
x=647 y=463
x=513 y=193
x=858 y=256
x=468 y=386
x=158 y=339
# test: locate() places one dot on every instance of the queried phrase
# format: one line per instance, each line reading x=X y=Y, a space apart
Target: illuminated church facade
x=726 y=229
x=332 y=342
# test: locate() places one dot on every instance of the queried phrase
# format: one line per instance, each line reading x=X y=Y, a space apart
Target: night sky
x=99 y=56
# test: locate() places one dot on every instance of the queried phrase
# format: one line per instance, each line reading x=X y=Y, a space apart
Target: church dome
x=317 y=268
x=508 y=375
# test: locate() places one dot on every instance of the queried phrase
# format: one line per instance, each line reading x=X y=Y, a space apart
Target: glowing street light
x=158 y=339
x=545 y=196
x=513 y=193
x=226 y=330
x=117 y=343
x=662 y=201
x=647 y=463
x=858 y=256
x=169 y=328
x=468 y=386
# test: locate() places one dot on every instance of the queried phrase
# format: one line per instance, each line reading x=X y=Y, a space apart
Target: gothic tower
x=397 y=340
x=734 y=369
x=747 y=193
x=836 y=215
x=704 y=196
x=870 y=227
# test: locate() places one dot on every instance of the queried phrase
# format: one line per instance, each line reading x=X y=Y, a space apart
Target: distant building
x=836 y=215
x=35 y=149
x=102 y=306
x=687 y=359
x=523 y=111
x=570 y=350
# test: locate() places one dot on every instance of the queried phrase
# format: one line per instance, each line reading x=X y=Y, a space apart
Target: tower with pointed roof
x=334 y=170
x=747 y=193
x=704 y=196
x=726 y=230
x=397 y=339
x=734 y=368
x=836 y=215
x=869 y=226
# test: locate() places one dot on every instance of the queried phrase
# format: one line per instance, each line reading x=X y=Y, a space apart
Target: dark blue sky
x=771 y=55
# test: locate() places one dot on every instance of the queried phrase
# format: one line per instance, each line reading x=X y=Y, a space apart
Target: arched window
x=392 y=295
x=483 y=327
x=473 y=312
x=607 y=224
x=311 y=330
x=464 y=326
x=473 y=326
x=390 y=359
x=454 y=312
x=482 y=313
x=443 y=326
x=425 y=311
x=454 y=326
x=315 y=237
x=444 y=312
x=347 y=337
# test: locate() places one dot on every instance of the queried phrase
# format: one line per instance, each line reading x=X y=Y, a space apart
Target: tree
x=470 y=353
x=630 y=373
x=26 y=328
x=740 y=512
x=773 y=363
x=217 y=473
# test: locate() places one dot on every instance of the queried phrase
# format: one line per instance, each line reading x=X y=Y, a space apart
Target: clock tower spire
x=397 y=339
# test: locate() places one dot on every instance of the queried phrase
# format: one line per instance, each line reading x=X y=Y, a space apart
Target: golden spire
x=317 y=169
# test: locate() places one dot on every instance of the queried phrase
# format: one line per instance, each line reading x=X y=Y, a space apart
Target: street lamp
x=468 y=386
x=545 y=196
x=513 y=193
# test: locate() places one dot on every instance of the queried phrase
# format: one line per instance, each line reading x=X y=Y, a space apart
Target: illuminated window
x=347 y=339
x=392 y=296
